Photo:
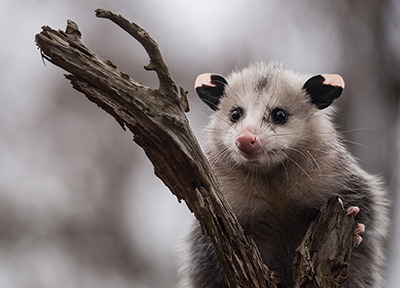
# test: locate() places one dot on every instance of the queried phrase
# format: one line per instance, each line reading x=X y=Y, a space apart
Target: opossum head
x=265 y=113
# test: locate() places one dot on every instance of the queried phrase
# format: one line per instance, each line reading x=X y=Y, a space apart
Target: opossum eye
x=236 y=113
x=279 y=116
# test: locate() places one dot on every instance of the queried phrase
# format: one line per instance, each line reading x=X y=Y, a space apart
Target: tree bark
x=156 y=118
x=323 y=256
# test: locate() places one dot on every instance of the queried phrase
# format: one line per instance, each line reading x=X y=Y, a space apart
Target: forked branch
x=157 y=62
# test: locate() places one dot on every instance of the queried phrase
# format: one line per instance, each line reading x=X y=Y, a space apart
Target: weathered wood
x=160 y=126
x=323 y=257
x=156 y=118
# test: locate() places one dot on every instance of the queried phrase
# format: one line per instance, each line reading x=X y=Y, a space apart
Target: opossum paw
x=359 y=229
x=357 y=232
x=266 y=267
x=353 y=210
x=357 y=240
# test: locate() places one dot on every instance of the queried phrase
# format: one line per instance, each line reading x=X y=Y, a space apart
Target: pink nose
x=247 y=142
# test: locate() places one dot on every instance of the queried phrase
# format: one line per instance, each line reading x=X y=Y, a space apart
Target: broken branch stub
x=322 y=258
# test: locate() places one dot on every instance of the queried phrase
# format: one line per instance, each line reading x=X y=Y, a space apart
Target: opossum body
x=278 y=159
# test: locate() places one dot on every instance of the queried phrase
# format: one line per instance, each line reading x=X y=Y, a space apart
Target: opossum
x=278 y=158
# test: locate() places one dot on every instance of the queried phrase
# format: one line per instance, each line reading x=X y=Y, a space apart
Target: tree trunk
x=156 y=118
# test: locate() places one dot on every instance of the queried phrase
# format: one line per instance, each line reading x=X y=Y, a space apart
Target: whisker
x=208 y=129
x=201 y=108
x=284 y=166
x=304 y=171
x=356 y=130
x=315 y=161
x=222 y=154
x=355 y=143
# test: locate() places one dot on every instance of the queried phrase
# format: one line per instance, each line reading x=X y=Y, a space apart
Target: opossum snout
x=247 y=142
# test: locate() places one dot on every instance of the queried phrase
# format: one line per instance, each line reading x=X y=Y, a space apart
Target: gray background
x=79 y=204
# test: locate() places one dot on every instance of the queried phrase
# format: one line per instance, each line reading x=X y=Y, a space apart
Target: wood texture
x=323 y=257
x=156 y=118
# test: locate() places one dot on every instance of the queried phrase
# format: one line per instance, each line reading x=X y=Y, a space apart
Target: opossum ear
x=324 y=89
x=210 y=88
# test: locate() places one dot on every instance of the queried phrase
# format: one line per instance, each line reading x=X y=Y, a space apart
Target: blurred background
x=79 y=204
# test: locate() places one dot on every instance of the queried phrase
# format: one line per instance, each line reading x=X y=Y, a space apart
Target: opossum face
x=264 y=113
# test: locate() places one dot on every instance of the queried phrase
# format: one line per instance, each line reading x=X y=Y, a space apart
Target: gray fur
x=275 y=197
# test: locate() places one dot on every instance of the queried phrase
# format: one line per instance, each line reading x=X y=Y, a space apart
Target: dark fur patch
x=262 y=83
x=207 y=272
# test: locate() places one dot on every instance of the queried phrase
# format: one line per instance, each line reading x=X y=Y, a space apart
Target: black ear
x=210 y=88
x=324 y=89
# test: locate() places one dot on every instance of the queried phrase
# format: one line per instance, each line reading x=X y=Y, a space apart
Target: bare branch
x=322 y=259
x=157 y=62
x=162 y=130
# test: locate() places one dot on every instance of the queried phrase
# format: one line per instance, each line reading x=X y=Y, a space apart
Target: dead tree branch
x=156 y=118
x=323 y=257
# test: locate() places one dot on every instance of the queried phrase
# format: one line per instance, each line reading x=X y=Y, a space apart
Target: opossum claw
x=360 y=229
x=353 y=210
x=357 y=240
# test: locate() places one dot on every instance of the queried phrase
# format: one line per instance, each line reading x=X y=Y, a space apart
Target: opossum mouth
x=258 y=155
x=250 y=156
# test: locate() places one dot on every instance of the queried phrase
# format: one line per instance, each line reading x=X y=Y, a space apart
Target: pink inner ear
x=333 y=79
x=204 y=79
